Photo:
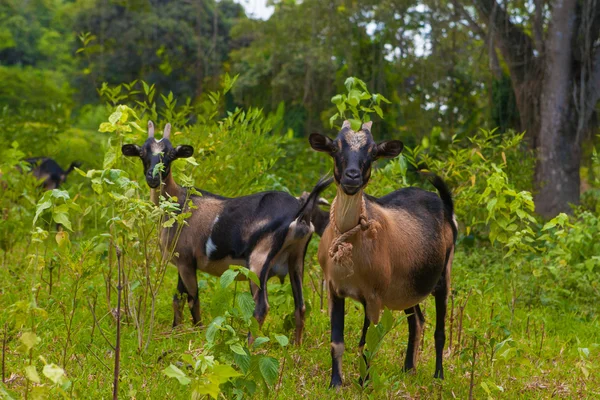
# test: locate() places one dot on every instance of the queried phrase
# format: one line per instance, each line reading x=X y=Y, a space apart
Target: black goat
x=49 y=172
x=390 y=252
x=260 y=231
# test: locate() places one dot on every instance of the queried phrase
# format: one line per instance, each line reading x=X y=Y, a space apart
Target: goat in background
x=49 y=172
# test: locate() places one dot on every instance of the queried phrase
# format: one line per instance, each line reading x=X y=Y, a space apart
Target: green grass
x=543 y=358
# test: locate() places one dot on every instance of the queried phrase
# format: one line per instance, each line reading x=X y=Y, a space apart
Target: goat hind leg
x=296 y=275
x=260 y=262
x=416 y=321
x=441 y=304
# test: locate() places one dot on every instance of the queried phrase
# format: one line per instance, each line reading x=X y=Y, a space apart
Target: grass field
x=533 y=352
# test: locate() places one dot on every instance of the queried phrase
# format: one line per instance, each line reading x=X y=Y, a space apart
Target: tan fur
x=196 y=231
x=249 y=230
x=337 y=349
x=383 y=266
x=355 y=140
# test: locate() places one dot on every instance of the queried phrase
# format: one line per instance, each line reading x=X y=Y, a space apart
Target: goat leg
x=416 y=321
x=336 y=307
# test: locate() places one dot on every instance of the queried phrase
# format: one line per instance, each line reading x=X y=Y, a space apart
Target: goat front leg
x=416 y=322
x=296 y=262
x=178 y=302
x=336 y=314
x=190 y=281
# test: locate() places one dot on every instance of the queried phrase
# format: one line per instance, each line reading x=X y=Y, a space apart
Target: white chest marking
x=211 y=247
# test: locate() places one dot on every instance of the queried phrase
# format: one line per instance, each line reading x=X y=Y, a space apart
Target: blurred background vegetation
x=447 y=66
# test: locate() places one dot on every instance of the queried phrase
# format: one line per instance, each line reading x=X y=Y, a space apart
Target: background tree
x=179 y=45
x=554 y=64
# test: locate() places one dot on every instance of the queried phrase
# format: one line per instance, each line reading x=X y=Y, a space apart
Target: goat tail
x=306 y=209
x=74 y=164
x=443 y=191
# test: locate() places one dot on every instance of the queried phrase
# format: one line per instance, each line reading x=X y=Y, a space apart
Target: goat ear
x=131 y=150
x=184 y=151
x=388 y=149
x=321 y=143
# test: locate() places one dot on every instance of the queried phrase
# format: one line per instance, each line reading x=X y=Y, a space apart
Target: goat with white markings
x=390 y=252
x=260 y=231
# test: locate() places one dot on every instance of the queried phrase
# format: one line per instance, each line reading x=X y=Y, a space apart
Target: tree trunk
x=559 y=153
x=556 y=83
x=199 y=52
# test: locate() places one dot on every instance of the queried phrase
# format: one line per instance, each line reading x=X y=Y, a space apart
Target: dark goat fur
x=402 y=252
x=319 y=217
x=263 y=232
x=49 y=172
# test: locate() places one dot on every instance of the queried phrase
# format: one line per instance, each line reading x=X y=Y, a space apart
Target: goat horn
x=367 y=126
x=150 y=129
x=167 y=132
x=346 y=124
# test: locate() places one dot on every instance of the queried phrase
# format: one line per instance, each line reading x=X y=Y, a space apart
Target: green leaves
x=31 y=374
x=353 y=102
x=28 y=341
x=238 y=349
x=269 y=369
x=212 y=376
x=245 y=303
x=228 y=277
x=213 y=328
x=282 y=340
x=60 y=203
x=174 y=372
x=55 y=373
x=374 y=340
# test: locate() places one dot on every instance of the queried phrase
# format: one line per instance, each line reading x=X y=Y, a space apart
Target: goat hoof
x=439 y=375
x=409 y=370
x=336 y=383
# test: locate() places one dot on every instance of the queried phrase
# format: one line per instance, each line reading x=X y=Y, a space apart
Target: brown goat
x=390 y=252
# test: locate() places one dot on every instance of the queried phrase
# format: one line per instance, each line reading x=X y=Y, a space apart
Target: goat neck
x=168 y=188
x=347 y=210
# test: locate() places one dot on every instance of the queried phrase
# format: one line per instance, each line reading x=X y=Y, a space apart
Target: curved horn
x=167 y=131
x=150 y=129
x=346 y=124
x=367 y=126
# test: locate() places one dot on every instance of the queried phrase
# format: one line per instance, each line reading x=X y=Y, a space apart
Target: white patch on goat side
x=211 y=247
x=355 y=139
x=454 y=220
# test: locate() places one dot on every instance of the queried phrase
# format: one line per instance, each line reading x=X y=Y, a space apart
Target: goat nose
x=352 y=173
